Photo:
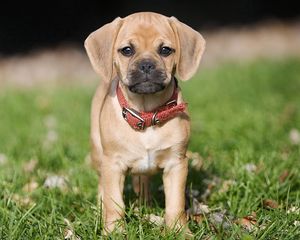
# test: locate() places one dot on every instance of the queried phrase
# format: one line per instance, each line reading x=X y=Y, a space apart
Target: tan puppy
x=137 y=58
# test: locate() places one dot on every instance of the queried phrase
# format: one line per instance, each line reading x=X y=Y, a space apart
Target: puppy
x=139 y=120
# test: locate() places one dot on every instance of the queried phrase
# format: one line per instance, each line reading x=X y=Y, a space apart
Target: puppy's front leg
x=111 y=187
x=174 y=180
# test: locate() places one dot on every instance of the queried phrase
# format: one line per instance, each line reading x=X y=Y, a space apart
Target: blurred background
x=44 y=41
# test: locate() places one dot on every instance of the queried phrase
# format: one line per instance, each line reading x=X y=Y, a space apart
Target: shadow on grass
x=196 y=183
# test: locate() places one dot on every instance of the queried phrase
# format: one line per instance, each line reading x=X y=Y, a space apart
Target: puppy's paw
x=188 y=233
x=116 y=227
x=185 y=232
x=182 y=232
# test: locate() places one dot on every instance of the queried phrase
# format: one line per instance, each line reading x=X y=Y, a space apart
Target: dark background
x=24 y=26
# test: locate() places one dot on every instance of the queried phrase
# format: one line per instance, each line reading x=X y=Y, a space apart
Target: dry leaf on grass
x=215 y=219
x=296 y=223
x=157 y=220
x=293 y=209
x=69 y=232
x=136 y=209
x=283 y=176
x=196 y=218
x=210 y=184
x=30 y=187
x=249 y=222
x=270 y=204
x=250 y=167
x=226 y=185
x=75 y=190
x=23 y=201
x=3 y=159
x=197 y=208
x=56 y=182
x=294 y=136
x=221 y=219
x=30 y=166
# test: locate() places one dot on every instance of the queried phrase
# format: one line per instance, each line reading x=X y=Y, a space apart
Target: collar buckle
x=154 y=119
x=140 y=124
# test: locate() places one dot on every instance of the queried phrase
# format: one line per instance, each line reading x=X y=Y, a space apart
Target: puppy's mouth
x=146 y=87
x=146 y=78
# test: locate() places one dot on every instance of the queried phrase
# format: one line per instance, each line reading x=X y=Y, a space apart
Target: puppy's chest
x=151 y=153
x=147 y=162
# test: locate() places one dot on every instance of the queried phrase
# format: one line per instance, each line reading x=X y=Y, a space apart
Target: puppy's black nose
x=146 y=66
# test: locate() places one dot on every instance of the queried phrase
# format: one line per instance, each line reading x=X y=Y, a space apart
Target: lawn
x=245 y=128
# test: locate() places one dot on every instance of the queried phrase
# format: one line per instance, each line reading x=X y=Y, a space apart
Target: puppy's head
x=145 y=50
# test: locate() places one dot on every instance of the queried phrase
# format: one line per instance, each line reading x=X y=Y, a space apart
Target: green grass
x=241 y=114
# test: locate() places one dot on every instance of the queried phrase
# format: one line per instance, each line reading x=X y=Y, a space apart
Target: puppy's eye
x=165 y=51
x=127 y=51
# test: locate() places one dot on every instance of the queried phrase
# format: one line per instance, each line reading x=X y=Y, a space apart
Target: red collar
x=141 y=120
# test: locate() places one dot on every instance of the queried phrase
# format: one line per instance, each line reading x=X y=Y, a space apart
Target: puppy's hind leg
x=141 y=187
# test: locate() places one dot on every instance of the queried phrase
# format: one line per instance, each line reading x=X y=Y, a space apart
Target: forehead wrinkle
x=147 y=35
x=150 y=21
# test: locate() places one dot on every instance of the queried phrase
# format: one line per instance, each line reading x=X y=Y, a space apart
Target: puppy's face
x=145 y=54
x=145 y=50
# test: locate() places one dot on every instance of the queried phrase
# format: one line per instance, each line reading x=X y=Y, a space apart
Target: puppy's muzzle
x=146 y=66
x=146 y=77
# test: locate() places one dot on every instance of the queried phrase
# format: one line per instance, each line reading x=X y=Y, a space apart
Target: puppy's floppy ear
x=190 y=45
x=99 y=47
